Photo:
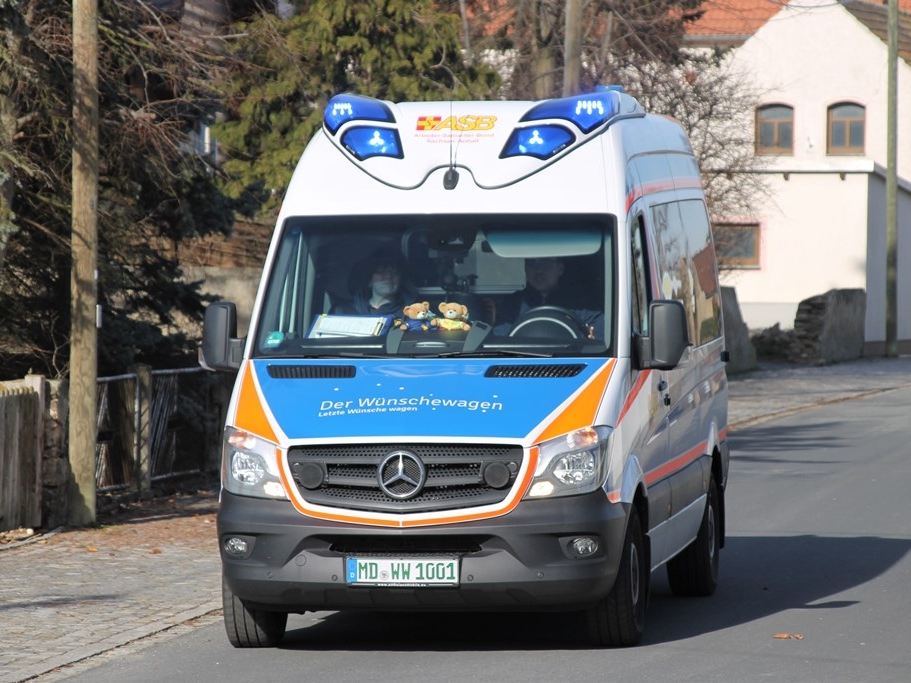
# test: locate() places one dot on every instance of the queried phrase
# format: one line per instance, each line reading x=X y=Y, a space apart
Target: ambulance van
x=416 y=425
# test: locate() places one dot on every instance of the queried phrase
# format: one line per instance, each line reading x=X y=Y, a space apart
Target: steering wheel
x=547 y=321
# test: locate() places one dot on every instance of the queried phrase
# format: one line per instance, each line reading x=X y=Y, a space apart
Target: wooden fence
x=21 y=438
x=151 y=425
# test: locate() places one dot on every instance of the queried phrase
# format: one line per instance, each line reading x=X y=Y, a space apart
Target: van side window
x=640 y=297
x=686 y=263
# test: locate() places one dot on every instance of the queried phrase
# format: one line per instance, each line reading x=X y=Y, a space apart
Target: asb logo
x=466 y=122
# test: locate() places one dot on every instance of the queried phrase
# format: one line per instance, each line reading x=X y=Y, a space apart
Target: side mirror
x=221 y=349
x=668 y=338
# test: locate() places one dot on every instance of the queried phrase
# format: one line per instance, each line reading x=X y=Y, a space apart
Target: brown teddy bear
x=417 y=317
x=455 y=317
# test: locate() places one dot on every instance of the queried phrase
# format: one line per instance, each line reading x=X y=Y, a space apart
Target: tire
x=248 y=627
x=694 y=572
x=618 y=619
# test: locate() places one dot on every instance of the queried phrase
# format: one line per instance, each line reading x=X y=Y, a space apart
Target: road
x=814 y=587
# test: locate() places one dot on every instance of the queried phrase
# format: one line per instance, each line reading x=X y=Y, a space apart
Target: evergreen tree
x=154 y=191
x=284 y=70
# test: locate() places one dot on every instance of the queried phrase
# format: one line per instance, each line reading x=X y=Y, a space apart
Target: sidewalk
x=66 y=596
x=778 y=389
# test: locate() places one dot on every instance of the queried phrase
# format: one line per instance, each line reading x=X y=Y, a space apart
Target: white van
x=484 y=371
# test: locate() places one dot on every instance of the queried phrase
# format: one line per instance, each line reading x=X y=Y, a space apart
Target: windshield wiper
x=494 y=353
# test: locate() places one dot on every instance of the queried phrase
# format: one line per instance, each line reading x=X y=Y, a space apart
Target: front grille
x=457 y=475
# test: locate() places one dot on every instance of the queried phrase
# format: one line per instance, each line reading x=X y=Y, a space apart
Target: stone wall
x=829 y=328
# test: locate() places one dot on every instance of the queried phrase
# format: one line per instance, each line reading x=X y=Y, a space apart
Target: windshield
x=538 y=285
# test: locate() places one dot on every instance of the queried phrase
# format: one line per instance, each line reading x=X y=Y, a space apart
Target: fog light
x=274 y=489
x=584 y=546
x=236 y=547
x=541 y=489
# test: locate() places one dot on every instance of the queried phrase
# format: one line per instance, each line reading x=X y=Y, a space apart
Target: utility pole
x=467 y=37
x=892 y=186
x=83 y=384
x=572 y=51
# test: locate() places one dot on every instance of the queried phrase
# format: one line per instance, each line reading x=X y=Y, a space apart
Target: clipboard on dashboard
x=329 y=325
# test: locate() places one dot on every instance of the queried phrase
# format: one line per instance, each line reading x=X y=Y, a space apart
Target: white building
x=821 y=126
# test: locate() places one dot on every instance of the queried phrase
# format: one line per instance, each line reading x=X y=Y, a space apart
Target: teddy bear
x=454 y=317
x=417 y=317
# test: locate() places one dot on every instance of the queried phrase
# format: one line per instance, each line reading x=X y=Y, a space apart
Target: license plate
x=384 y=571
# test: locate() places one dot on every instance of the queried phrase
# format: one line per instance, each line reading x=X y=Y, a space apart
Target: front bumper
x=517 y=561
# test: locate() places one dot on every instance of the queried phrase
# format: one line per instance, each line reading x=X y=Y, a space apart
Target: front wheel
x=695 y=570
x=248 y=627
x=618 y=620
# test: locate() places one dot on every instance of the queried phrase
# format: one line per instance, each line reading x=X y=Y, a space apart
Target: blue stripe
x=415 y=398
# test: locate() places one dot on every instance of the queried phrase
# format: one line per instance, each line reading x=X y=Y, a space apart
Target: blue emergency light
x=343 y=108
x=541 y=142
x=587 y=111
x=372 y=141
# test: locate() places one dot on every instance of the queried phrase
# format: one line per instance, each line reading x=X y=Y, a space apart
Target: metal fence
x=158 y=424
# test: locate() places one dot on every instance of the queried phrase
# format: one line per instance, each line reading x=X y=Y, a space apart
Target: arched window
x=775 y=129
x=846 y=129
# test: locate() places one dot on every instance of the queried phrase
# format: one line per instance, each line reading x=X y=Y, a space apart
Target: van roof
x=498 y=142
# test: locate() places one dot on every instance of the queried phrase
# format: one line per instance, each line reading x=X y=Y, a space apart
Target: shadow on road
x=761 y=576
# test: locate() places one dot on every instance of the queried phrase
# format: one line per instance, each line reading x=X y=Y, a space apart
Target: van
x=484 y=370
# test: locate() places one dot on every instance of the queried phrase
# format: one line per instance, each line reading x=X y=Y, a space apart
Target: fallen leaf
x=155 y=551
x=92 y=549
x=788 y=636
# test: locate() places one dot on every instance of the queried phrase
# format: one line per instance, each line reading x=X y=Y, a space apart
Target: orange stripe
x=633 y=393
x=581 y=412
x=676 y=464
x=250 y=414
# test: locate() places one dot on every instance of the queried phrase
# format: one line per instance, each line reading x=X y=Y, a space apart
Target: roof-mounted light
x=343 y=108
x=587 y=111
x=541 y=142
x=372 y=141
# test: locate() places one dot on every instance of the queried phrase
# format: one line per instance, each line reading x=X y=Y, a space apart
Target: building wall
x=815 y=224
x=812 y=239
x=813 y=54
x=875 y=323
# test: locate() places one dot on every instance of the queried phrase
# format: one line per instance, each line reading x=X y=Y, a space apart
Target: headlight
x=250 y=465
x=571 y=464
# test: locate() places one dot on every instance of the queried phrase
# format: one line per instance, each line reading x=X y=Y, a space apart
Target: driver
x=542 y=288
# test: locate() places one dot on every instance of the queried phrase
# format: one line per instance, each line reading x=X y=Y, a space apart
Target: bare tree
x=638 y=44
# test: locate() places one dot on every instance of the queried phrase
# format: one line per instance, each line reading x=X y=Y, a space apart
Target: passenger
x=382 y=292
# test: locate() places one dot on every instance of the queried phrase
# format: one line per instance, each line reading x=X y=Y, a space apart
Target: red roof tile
x=733 y=17
x=730 y=19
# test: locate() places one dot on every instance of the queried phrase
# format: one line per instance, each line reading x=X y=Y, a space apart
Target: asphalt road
x=814 y=587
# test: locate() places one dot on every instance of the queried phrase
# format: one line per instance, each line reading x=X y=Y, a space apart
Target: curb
x=112 y=643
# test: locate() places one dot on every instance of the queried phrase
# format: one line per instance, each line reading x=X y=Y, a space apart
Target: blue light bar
x=587 y=111
x=541 y=142
x=372 y=141
x=343 y=108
